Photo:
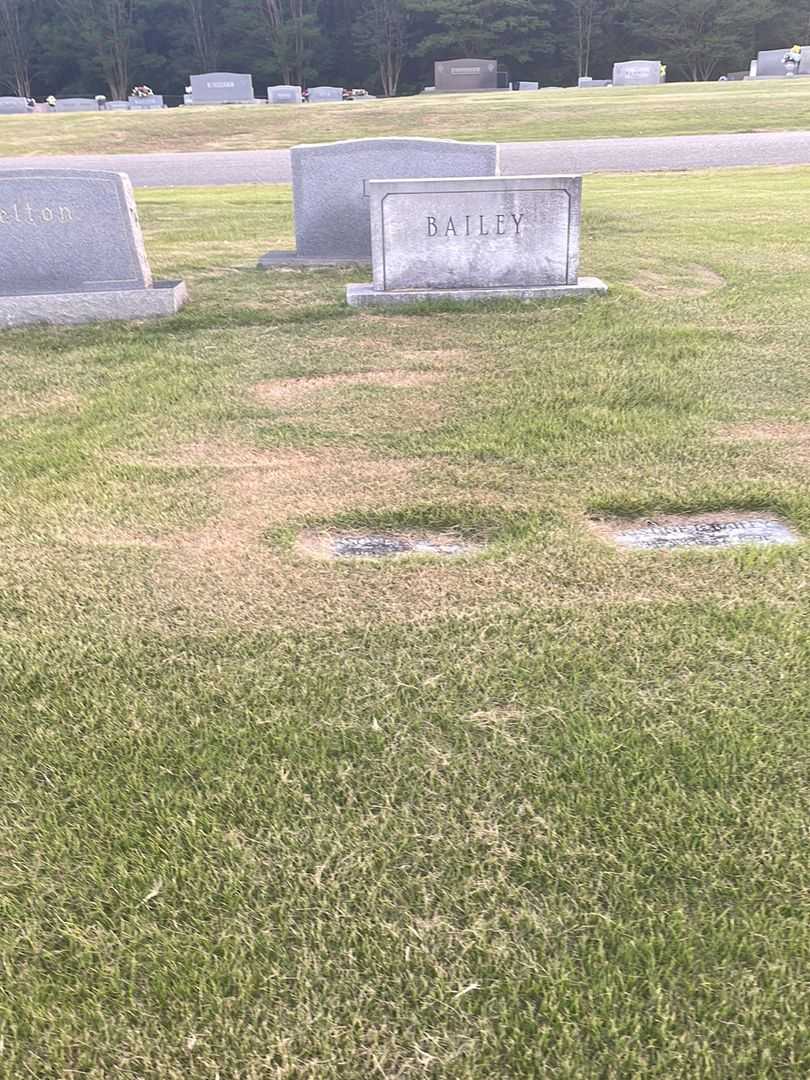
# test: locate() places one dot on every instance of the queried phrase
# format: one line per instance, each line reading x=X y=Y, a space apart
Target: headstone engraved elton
x=11 y=105
x=637 y=73
x=706 y=534
x=222 y=88
x=284 y=95
x=478 y=238
x=72 y=250
x=325 y=93
x=460 y=76
x=331 y=197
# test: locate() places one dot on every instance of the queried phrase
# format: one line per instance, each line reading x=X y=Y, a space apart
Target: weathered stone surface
x=153 y=102
x=474 y=239
x=770 y=63
x=330 y=190
x=9 y=105
x=71 y=249
x=461 y=76
x=284 y=95
x=706 y=534
x=76 y=105
x=222 y=88
x=476 y=233
x=325 y=93
x=637 y=73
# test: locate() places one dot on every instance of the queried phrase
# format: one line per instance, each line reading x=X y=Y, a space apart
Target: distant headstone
x=477 y=238
x=116 y=106
x=771 y=65
x=151 y=101
x=588 y=84
x=459 y=76
x=528 y=86
x=222 y=88
x=284 y=95
x=325 y=93
x=705 y=534
x=331 y=197
x=76 y=105
x=72 y=250
x=10 y=105
x=637 y=73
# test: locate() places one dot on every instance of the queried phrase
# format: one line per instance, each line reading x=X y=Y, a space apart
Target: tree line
x=84 y=47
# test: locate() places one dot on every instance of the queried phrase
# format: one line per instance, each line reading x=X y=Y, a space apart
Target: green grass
x=536 y=813
x=677 y=109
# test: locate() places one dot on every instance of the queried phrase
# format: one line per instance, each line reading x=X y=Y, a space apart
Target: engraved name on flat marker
x=711 y=534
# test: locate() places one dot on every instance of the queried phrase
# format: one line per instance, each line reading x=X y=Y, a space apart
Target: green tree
x=507 y=30
x=17 y=21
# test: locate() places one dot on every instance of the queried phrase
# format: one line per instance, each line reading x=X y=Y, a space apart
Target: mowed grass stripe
x=539 y=812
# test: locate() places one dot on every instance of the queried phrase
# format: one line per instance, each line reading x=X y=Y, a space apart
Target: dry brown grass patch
x=687 y=282
x=289 y=391
x=15 y=406
x=765 y=431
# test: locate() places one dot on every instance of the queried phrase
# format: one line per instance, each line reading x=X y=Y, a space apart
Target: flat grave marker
x=72 y=250
x=705 y=534
x=384 y=544
x=331 y=193
x=506 y=237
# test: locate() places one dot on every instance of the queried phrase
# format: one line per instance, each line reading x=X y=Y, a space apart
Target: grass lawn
x=539 y=812
x=677 y=109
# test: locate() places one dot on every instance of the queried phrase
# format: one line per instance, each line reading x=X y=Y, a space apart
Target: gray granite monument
x=11 y=105
x=325 y=93
x=637 y=73
x=222 y=88
x=507 y=237
x=463 y=76
x=331 y=196
x=284 y=95
x=528 y=86
x=151 y=101
x=771 y=64
x=76 y=105
x=586 y=83
x=72 y=250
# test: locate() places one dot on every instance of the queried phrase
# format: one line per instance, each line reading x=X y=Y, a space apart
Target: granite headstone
x=284 y=95
x=325 y=93
x=151 y=101
x=330 y=190
x=771 y=65
x=463 y=76
x=474 y=238
x=76 y=105
x=72 y=250
x=10 y=105
x=222 y=88
x=637 y=73
x=528 y=86
x=586 y=83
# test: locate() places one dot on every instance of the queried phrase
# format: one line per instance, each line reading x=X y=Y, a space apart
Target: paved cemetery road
x=564 y=156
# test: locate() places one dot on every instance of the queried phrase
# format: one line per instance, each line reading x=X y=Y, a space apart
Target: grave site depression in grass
x=536 y=810
x=677 y=109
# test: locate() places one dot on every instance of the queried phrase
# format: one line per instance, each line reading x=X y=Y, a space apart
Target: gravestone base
x=366 y=295
x=110 y=305
x=291 y=260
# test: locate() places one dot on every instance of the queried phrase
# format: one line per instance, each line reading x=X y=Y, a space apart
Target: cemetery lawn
x=677 y=109
x=540 y=812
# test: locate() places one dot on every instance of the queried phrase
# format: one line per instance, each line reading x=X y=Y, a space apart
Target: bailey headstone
x=325 y=93
x=637 y=73
x=222 y=88
x=284 y=95
x=11 y=105
x=72 y=250
x=479 y=238
x=331 y=194
x=463 y=76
